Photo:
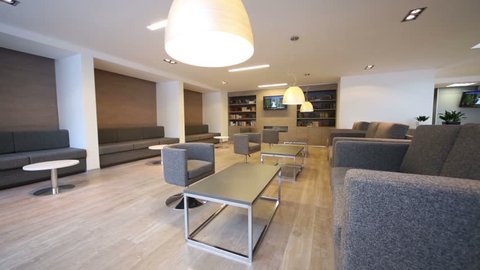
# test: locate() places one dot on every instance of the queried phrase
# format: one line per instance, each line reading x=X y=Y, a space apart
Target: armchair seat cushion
x=197 y=168
x=253 y=146
x=13 y=161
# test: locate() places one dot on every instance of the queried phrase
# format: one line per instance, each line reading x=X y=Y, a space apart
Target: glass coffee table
x=294 y=152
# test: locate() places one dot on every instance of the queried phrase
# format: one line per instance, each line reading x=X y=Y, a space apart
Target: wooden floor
x=116 y=218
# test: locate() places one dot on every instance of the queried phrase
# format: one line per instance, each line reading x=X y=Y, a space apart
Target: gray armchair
x=247 y=143
x=408 y=205
x=270 y=136
x=185 y=164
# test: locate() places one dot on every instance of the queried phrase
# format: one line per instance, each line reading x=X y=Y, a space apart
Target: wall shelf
x=242 y=110
x=325 y=109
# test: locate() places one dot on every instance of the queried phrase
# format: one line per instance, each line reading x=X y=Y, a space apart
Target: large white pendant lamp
x=293 y=96
x=209 y=33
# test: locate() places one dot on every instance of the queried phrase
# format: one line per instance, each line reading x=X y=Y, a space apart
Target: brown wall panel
x=124 y=101
x=28 y=98
x=193 y=108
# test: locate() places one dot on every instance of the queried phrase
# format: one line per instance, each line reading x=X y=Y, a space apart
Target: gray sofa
x=362 y=129
x=21 y=148
x=120 y=145
x=200 y=133
x=408 y=205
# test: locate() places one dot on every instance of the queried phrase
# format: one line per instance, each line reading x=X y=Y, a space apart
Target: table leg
x=250 y=234
x=54 y=179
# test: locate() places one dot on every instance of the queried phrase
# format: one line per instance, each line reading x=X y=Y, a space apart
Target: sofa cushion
x=197 y=168
x=199 y=137
x=371 y=130
x=107 y=135
x=6 y=143
x=40 y=140
x=463 y=159
x=56 y=154
x=429 y=149
x=391 y=130
x=144 y=143
x=253 y=147
x=362 y=125
x=13 y=161
x=168 y=140
x=197 y=129
x=129 y=134
x=115 y=147
x=153 y=132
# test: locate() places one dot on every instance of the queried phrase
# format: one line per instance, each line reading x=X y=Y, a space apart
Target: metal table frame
x=299 y=142
x=252 y=247
x=294 y=157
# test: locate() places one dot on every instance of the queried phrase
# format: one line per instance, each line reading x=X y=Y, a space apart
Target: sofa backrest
x=6 y=143
x=40 y=140
x=391 y=130
x=463 y=160
x=196 y=129
x=153 y=132
x=429 y=149
x=113 y=135
x=129 y=134
x=107 y=135
x=372 y=129
x=362 y=125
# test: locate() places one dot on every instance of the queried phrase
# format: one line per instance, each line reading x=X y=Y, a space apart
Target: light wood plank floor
x=116 y=218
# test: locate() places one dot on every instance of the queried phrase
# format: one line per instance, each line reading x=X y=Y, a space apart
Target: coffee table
x=303 y=142
x=53 y=166
x=222 y=139
x=285 y=151
x=158 y=147
x=240 y=185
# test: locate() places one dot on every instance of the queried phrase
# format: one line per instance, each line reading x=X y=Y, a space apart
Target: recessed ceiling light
x=461 y=84
x=224 y=82
x=170 y=61
x=248 y=68
x=476 y=46
x=11 y=2
x=413 y=14
x=272 y=85
x=157 y=25
x=369 y=67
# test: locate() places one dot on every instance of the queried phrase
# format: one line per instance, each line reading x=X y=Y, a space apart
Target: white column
x=76 y=102
x=215 y=112
x=170 y=109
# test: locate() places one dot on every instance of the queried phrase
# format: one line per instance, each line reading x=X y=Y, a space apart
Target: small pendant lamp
x=209 y=33
x=306 y=107
x=293 y=96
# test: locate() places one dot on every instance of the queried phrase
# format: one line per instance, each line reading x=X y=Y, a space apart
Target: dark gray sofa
x=120 y=145
x=21 y=148
x=200 y=133
x=408 y=205
x=385 y=130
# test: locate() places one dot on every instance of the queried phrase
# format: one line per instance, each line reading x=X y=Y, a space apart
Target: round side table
x=158 y=147
x=53 y=166
x=222 y=139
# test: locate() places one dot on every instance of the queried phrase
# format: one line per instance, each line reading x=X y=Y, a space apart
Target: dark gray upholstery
x=270 y=136
x=372 y=129
x=429 y=149
x=26 y=147
x=6 y=143
x=119 y=145
x=391 y=131
x=40 y=140
x=397 y=220
x=361 y=125
x=384 y=130
x=184 y=164
x=200 y=133
x=247 y=143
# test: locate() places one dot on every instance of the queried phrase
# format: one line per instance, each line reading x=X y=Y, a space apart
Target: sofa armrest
x=408 y=221
x=385 y=155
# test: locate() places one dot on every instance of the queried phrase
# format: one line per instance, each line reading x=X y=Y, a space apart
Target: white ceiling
x=337 y=38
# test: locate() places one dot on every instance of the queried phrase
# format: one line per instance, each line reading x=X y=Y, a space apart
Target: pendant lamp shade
x=293 y=96
x=306 y=107
x=209 y=33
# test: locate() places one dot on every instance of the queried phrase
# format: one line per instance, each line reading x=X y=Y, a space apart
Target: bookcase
x=325 y=109
x=242 y=111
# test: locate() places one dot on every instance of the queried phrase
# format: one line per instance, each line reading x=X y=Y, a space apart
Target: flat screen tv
x=470 y=99
x=273 y=103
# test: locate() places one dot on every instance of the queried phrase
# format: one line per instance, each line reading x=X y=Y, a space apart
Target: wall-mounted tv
x=273 y=103
x=470 y=99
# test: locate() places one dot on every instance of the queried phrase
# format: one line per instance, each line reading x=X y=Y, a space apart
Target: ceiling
x=337 y=38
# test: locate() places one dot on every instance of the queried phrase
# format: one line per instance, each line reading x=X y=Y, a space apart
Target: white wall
x=170 y=109
x=77 y=109
x=215 y=112
x=392 y=97
x=449 y=99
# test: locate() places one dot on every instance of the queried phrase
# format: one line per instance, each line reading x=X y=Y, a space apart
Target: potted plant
x=421 y=119
x=452 y=117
